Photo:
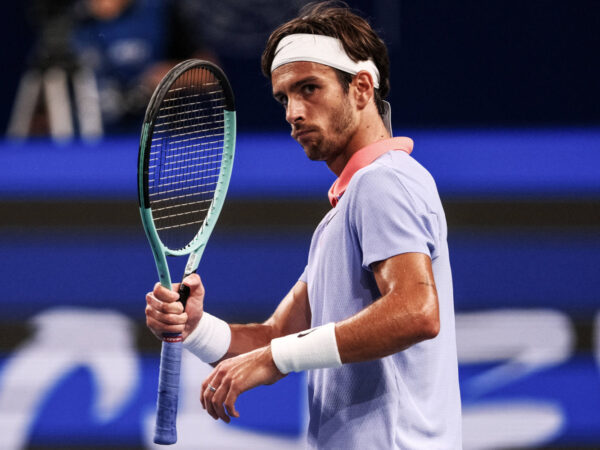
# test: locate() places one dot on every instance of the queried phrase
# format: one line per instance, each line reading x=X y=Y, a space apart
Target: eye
x=309 y=88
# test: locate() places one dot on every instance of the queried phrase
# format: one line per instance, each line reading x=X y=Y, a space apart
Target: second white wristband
x=210 y=339
x=310 y=349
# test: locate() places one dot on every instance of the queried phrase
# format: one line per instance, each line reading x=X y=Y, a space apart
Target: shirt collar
x=363 y=158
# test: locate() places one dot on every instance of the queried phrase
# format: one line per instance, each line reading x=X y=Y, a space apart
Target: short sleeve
x=387 y=219
x=304 y=276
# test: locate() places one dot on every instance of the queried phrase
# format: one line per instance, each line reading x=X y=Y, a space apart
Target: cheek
x=342 y=119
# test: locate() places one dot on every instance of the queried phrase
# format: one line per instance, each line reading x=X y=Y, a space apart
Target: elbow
x=429 y=320
x=423 y=325
x=430 y=327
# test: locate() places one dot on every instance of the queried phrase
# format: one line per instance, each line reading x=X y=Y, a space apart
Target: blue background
x=247 y=270
x=501 y=99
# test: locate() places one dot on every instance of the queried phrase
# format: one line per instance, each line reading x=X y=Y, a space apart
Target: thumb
x=195 y=302
x=194 y=292
x=194 y=282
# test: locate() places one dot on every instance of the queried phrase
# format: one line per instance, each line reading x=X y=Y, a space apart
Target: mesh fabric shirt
x=408 y=400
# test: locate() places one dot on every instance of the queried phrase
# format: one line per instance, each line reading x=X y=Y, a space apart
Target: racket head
x=185 y=159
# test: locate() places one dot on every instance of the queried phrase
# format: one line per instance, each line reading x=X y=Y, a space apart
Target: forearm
x=292 y=315
x=405 y=314
x=387 y=326
x=214 y=340
x=248 y=337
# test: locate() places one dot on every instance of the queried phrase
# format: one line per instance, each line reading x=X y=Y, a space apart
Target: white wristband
x=210 y=339
x=310 y=349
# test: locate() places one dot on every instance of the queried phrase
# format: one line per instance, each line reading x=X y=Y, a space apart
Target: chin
x=312 y=151
x=314 y=155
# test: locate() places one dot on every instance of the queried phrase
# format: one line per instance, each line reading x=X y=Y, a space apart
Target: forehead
x=285 y=76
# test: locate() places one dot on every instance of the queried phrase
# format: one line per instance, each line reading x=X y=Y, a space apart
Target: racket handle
x=168 y=382
x=168 y=390
x=184 y=293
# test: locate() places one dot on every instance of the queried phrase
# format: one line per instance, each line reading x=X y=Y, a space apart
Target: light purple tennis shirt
x=409 y=400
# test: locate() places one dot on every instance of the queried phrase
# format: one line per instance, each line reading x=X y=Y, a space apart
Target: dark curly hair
x=335 y=19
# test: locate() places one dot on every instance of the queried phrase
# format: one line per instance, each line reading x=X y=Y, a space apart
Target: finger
x=202 y=391
x=163 y=307
x=160 y=328
x=229 y=403
x=166 y=318
x=207 y=395
x=164 y=294
x=212 y=381
x=194 y=282
x=217 y=402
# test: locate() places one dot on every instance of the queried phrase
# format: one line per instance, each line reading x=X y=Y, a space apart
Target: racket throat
x=193 y=261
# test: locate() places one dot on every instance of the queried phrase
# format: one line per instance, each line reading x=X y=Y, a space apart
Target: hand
x=234 y=376
x=164 y=314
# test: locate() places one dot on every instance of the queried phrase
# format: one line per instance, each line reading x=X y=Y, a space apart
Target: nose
x=294 y=111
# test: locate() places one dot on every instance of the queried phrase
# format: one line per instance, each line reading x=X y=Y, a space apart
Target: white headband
x=323 y=50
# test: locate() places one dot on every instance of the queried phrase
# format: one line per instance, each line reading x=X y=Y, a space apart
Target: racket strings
x=157 y=203
x=210 y=109
x=216 y=129
x=172 y=111
x=169 y=166
x=186 y=155
x=196 y=188
x=179 y=216
x=186 y=126
x=217 y=141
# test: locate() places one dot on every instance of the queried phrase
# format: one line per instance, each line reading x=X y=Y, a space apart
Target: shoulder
x=386 y=175
x=394 y=176
x=397 y=163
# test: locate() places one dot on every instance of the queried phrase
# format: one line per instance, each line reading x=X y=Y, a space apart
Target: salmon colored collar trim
x=363 y=158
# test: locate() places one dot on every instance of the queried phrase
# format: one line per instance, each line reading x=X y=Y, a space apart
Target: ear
x=363 y=88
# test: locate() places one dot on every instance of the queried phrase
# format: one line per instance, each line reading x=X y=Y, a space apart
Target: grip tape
x=165 y=431
x=168 y=390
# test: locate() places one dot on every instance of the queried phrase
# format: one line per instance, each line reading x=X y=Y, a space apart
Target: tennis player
x=371 y=317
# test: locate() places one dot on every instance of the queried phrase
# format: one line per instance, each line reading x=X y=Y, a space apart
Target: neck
x=369 y=130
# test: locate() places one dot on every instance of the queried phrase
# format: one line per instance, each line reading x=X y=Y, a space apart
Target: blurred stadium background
x=501 y=98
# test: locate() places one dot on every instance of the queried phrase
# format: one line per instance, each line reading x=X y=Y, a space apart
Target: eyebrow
x=296 y=85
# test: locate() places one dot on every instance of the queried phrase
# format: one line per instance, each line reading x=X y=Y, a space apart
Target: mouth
x=299 y=135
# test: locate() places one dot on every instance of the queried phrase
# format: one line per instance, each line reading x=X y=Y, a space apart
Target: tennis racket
x=184 y=165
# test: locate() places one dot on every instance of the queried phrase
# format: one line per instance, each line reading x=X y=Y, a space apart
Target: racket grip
x=168 y=382
x=168 y=390
x=184 y=293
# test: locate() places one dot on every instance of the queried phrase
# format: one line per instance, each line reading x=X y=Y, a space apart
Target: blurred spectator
x=238 y=29
x=131 y=44
x=109 y=52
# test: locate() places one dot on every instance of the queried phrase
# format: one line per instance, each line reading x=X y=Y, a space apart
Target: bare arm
x=406 y=313
x=291 y=316
x=164 y=314
x=248 y=342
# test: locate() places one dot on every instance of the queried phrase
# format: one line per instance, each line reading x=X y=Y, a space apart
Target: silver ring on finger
x=212 y=388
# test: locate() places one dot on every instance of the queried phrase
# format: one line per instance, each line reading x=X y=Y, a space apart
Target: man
x=372 y=315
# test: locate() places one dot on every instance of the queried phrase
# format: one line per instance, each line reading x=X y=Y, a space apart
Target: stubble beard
x=323 y=148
